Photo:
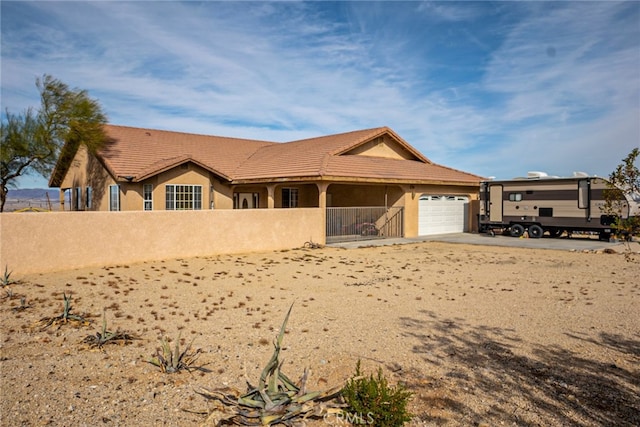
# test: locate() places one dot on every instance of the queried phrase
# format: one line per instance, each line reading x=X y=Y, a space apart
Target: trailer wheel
x=516 y=230
x=535 y=231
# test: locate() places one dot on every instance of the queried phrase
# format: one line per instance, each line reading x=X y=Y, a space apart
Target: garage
x=441 y=214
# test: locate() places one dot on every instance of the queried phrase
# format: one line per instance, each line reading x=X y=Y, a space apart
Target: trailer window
x=583 y=194
x=515 y=197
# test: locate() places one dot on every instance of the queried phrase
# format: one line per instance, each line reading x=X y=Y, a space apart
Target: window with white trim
x=147 y=196
x=289 y=197
x=114 y=197
x=183 y=197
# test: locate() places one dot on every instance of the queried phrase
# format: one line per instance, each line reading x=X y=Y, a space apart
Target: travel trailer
x=539 y=204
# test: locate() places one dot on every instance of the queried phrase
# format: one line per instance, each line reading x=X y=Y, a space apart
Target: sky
x=492 y=88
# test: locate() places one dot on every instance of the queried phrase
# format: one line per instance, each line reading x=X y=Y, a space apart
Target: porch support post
x=271 y=191
x=322 y=191
x=61 y=199
x=322 y=204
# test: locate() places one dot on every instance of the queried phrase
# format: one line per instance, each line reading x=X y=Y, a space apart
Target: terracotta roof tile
x=308 y=157
x=392 y=169
x=141 y=153
x=132 y=151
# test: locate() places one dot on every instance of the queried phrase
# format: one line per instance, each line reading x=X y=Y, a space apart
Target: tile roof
x=408 y=171
x=305 y=157
x=141 y=153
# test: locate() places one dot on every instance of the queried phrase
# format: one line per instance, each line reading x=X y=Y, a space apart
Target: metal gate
x=364 y=223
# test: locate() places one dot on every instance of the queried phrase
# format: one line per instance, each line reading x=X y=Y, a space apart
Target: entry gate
x=364 y=223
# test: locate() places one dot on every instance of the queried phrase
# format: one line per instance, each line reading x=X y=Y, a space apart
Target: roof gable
x=382 y=142
x=142 y=153
x=385 y=146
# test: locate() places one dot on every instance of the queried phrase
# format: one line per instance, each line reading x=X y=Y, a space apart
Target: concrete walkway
x=581 y=243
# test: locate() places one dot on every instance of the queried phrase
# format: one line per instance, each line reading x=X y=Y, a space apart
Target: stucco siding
x=40 y=242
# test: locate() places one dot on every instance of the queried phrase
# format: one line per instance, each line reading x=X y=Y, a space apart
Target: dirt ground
x=482 y=335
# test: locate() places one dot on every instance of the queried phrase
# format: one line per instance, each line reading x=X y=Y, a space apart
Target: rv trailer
x=539 y=204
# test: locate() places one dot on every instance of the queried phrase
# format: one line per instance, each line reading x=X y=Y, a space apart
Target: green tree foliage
x=33 y=141
x=624 y=181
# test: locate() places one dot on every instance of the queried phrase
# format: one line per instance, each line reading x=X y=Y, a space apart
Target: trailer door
x=495 y=203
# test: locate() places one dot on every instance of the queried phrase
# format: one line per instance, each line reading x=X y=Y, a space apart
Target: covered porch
x=353 y=211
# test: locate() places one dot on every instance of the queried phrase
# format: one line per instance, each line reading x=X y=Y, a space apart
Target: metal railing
x=364 y=223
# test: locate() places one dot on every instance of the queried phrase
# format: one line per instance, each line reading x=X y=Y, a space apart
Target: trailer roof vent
x=536 y=174
x=580 y=174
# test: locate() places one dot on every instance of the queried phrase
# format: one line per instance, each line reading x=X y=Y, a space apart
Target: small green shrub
x=372 y=401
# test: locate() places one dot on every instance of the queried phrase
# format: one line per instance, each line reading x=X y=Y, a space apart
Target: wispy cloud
x=491 y=88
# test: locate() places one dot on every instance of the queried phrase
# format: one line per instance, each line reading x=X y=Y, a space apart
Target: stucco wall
x=41 y=242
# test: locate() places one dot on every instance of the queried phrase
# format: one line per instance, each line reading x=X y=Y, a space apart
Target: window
x=183 y=197
x=77 y=198
x=147 y=195
x=515 y=197
x=114 y=197
x=88 y=197
x=289 y=197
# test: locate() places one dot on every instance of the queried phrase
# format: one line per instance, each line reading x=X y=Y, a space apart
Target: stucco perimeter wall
x=42 y=242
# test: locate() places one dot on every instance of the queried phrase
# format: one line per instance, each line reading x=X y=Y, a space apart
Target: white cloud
x=489 y=88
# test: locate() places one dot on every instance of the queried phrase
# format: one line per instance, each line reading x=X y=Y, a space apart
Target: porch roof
x=328 y=157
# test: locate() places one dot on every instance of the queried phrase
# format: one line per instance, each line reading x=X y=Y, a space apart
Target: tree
x=625 y=181
x=33 y=141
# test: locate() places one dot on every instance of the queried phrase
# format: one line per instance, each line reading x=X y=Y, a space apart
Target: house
x=371 y=182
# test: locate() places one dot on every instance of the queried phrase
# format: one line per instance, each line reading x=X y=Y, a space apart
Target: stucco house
x=370 y=182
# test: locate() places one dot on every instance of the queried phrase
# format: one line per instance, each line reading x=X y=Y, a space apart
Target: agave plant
x=65 y=317
x=5 y=280
x=172 y=361
x=107 y=337
x=275 y=400
x=23 y=305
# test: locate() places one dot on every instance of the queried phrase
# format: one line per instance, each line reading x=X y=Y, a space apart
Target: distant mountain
x=33 y=193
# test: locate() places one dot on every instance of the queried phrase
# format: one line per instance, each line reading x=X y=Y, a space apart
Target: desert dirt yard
x=481 y=335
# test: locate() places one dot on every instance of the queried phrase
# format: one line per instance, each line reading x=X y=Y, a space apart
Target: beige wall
x=86 y=171
x=41 y=242
x=383 y=146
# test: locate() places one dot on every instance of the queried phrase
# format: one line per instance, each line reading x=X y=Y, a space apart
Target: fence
x=40 y=242
x=358 y=223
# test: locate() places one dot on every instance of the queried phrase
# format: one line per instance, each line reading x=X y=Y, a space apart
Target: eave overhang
x=354 y=180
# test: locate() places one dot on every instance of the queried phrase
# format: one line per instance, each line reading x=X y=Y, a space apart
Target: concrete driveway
x=579 y=243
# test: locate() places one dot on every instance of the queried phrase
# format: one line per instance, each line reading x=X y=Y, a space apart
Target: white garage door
x=442 y=214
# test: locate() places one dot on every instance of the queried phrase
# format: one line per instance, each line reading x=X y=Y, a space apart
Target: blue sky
x=492 y=88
